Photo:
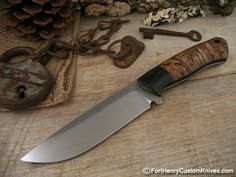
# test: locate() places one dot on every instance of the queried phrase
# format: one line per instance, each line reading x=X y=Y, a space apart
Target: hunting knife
x=107 y=117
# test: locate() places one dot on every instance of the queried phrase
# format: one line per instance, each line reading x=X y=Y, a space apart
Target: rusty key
x=149 y=32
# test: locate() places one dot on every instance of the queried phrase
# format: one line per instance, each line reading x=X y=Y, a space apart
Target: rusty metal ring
x=112 y=54
x=17 y=52
x=104 y=25
x=87 y=37
x=102 y=41
x=90 y=51
x=57 y=49
x=110 y=46
x=62 y=53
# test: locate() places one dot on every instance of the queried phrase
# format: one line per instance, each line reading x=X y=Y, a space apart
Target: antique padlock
x=23 y=84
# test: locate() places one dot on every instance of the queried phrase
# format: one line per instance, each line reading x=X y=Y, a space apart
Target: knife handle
x=185 y=64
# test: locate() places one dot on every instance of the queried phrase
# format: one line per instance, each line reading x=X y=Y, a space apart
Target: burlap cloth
x=63 y=71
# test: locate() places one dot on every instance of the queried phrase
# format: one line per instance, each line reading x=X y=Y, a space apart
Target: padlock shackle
x=17 y=52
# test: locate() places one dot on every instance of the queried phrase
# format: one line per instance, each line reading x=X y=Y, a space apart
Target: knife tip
x=24 y=158
x=27 y=159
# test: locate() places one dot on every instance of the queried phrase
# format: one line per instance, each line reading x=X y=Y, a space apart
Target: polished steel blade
x=94 y=126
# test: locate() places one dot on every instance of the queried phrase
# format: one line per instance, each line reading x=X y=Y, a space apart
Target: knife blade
x=107 y=117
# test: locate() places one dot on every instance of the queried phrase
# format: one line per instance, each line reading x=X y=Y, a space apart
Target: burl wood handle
x=184 y=65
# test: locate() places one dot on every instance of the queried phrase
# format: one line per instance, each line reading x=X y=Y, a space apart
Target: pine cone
x=38 y=19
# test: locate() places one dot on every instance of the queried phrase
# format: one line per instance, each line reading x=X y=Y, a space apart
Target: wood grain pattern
x=192 y=60
x=194 y=127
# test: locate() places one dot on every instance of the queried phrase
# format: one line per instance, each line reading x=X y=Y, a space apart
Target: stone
x=152 y=5
x=144 y=5
x=222 y=7
x=95 y=9
x=226 y=10
x=223 y=2
x=118 y=9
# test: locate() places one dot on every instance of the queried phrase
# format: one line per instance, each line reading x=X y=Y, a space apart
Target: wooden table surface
x=195 y=127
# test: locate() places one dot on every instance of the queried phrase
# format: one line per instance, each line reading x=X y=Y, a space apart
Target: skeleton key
x=148 y=33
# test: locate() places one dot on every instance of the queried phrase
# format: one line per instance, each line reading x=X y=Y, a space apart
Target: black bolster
x=155 y=81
